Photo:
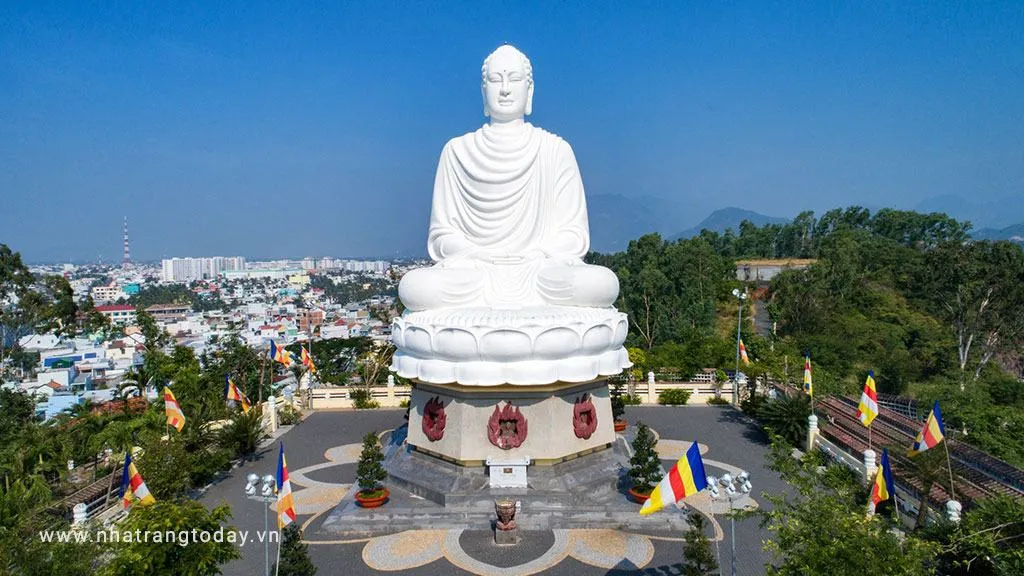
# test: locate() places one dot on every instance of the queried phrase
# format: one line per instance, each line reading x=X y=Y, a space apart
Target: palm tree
x=787 y=417
x=244 y=432
x=928 y=468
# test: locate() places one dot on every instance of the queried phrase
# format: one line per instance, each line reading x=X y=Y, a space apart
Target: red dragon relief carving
x=506 y=428
x=584 y=417
x=434 y=419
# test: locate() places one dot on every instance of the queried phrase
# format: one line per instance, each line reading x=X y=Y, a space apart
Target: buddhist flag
x=883 y=488
x=743 y=354
x=285 y=503
x=233 y=394
x=868 y=408
x=932 y=433
x=175 y=417
x=686 y=478
x=307 y=360
x=132 y=486
x=808 y=380
x=278 y=354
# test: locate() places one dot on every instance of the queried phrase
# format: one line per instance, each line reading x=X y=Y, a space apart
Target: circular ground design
x=479 y=545
x=340 y=474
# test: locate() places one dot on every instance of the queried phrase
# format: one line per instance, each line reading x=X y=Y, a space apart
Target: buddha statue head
x=507 y=85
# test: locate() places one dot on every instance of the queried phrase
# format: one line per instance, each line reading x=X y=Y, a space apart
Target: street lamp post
x=742 y=296
x=266 y=496
x=729 y=484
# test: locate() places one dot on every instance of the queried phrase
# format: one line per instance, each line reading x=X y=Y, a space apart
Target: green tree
x=166 y=466
x=170 y=558
x=295 y=559
x=987 y=541
x=645 y=466
x=821 y=527
x=698 y=558
x=16 y=410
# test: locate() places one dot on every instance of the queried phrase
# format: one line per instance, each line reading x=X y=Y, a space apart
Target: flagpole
x=949 y=466
x=277 y=563
x=263 y=363
x=869 y=437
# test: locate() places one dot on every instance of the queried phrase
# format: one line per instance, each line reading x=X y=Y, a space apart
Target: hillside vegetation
x=936 y=315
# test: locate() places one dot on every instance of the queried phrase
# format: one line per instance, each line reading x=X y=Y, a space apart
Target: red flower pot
x=639 y=497
x=372 y=498
x=620 y=425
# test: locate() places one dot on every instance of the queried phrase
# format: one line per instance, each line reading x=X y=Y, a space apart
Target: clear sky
x=273 y=129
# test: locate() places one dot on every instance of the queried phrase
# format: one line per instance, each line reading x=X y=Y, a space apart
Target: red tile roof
x=115 y=308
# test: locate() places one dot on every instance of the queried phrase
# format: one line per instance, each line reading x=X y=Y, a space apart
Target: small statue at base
x=506 y=511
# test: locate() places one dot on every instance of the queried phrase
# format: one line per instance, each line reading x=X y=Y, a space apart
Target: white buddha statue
x=508 y=225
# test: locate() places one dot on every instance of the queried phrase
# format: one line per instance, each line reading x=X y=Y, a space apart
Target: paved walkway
x=322 y=452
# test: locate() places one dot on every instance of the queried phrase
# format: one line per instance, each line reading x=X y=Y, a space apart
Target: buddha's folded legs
x=577 y=285
x=436 y=287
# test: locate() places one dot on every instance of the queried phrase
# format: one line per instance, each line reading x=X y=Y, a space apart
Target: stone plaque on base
x=507 y=473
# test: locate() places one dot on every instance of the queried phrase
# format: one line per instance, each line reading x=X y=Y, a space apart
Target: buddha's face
x=507 y=90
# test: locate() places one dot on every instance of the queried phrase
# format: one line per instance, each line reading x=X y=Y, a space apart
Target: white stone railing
x=388 y=396
x=701 y=389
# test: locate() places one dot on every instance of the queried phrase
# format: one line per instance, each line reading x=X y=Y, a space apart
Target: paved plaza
x=322 y=452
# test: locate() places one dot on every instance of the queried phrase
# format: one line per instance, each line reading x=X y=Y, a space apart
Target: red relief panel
x=506 y=428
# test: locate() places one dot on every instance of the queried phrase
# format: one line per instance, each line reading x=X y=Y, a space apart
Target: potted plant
x=370 y=473
x=645 y=466
x=618 y=410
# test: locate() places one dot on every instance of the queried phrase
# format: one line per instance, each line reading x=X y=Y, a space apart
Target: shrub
x=369 y=472
x=632 y=400
x=674 y=397
x=752 y=406
x=718 y=401
x=645 y=468
x=363 y=399
x=404 y=403
x=289 y=415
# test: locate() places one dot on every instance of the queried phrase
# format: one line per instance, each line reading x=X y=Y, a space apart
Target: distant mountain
x=1015 y=233
x=996 y=214
x=616 y=219
x=729 y=218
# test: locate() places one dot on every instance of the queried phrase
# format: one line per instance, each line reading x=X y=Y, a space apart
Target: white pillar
x=272 y=413
x=812 y=431
x=953 y=509
x=391 y=390
x=652 y=398
x=870 y=466
x=79 y=514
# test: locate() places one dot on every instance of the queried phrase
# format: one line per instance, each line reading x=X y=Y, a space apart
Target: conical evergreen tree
x=294 y=554
x=369 y=472
x=646 y=470
x=698 y=559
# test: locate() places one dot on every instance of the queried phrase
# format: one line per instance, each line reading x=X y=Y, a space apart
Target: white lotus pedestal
x=510 y=383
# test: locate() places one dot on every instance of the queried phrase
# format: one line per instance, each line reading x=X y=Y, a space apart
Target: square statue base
x=506 y=537
x=428 y=493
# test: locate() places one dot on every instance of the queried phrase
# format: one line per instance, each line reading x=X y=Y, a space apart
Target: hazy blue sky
x=266 y=129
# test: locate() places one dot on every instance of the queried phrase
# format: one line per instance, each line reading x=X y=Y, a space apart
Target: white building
x=189 y=269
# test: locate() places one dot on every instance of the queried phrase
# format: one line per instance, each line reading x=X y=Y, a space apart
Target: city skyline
x=267 y=131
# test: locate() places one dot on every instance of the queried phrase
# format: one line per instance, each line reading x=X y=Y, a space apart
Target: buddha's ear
x=483 y=96
x=529 y=100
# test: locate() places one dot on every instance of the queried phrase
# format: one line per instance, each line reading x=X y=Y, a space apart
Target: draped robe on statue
x=508 y=227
